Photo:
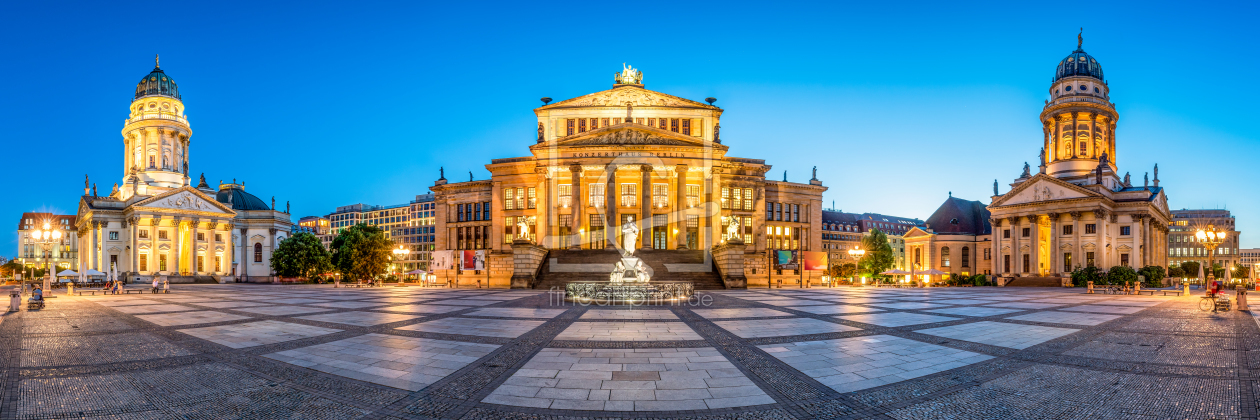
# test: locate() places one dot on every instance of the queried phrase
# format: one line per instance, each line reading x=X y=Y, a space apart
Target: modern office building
x=1183 y=245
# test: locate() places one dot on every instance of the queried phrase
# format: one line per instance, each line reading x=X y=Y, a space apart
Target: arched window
x=945 y=256
x=966 y=257
x=258 y=252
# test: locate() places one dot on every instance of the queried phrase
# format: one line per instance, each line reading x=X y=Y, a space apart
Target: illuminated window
x=660 y=195
x=693 y=195
x=144 y=262
x=161 y=262
x=532 y=197
x=628 y=194
x=737 y=198
x=748 y=199
x=945 y=257
x=565 y=193
x=596 y=196
x=162 y=234
x=520 y=198
x=509 y=199
x=726 y=197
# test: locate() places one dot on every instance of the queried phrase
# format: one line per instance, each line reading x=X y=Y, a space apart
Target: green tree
x=1176 y=271
x=301 y=255
x=879 y=255
x=1218 y=271
x=1121 y=274
x=980 y=280
x=1241 y=272
x=1154 y=275
x=361 y=252
x=1081 y=276
x=1191 y=269
x=10 y=268
x=844 y=271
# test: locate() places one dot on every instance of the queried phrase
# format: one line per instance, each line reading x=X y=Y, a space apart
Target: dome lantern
x=157 y=83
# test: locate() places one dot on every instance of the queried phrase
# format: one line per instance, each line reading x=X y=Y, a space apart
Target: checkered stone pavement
x=411 y=353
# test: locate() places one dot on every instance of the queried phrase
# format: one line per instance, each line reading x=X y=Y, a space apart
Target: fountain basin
x=604 y=292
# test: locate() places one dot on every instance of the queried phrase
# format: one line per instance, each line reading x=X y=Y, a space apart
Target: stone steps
x=688 y=266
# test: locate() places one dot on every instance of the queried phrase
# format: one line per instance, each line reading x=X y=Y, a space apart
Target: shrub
x=980 y=280
x=1121 y=274
x=1154 y=275
x=1081 y=276
x=1176 y=271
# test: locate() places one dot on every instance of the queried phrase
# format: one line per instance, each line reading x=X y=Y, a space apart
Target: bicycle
x=1214 y=302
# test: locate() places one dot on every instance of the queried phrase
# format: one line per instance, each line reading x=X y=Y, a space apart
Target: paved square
x=283 y=310
x=151 y=309
x=422 y=309
x=400 y=362
x=256 y=333
x=1104 y=309
x=1077 y=318
x=974 y=311
x=1025 y=305
x=836 y=309
x=739 y=313
x=909 y=305
x=667 y=379
x=295 y=301
x=897 y=319
x=852 y=364
x=362 y=319
x=230 y=304
x=468 y=302
x=629 y=314
x=510 y=328
x=518 y=312
x=781 y=327
x=1016 y=336
x=628 y=331
x=190 y=318
x=349 y=305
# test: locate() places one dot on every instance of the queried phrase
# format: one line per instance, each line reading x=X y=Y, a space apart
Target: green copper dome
x=157 y=83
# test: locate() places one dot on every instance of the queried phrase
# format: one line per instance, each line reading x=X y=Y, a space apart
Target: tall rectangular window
x=651 y=122
x=737 y=198
x=520 y=197
x=144 y=234
x=1124 y=259
x=581 y=125
x=748 y=230
x=161 y=262
x=564 y=192
x=1006 y=263
x=1006 y=233
x=726 y=197
x=769 y=210
x=966 y=257
x=144 y=262
x=796 y=212
x=628 y=195
x=673 y=125
x=1067 y=262
x=162 y=234
x=1027 y=263
x=509 y=198
x=660 y=195
x=569 y=127
x=660 y=123
x=459 y=212
x=748 y=199
x=597 y=239
x=603 y=122
x=218 y=263
x=596 y=197
x=778 y=212
x=686 y=127
x=1089 y=258
x=201 y=263
x=532 y=197
x=693 y=195
x=509 y=229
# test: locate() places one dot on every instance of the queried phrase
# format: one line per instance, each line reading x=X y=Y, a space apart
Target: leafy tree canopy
x=879 y=255
x=301 y=255
x=361 y=252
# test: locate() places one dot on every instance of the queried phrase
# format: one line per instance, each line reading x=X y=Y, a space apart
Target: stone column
x=1017 y=256
x=1077 y=257
x=94 y=245
x=1074 y=138
x=706 y=233
x=1100 y=243
x=575 y=171
x=1055 y=264
x=714 y=220
x=229 y=253
x=192 y=264
x=243 y=264
x=1093 y=131
x=995 y=248
x=1144 y=242
x=179 y=245
x=610 y=208
x=680 y=207
x=645 y=234
x=135 y=246
x=543 y=211
x=1034 y=245
x=272 y=240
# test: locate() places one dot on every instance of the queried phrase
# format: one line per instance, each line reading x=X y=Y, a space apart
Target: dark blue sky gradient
x=328 y=104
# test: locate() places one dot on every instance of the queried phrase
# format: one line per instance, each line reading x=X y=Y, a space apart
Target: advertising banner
x=443 y=260
x=815 y=260
x=785 y=260
x=474 y=260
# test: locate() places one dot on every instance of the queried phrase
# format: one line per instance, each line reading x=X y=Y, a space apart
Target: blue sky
x=328 y=104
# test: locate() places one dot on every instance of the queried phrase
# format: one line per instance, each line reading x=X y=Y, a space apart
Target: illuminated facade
x=956 y=239
x=155 y=223
x=1076 y=210
x=1184 y=246
x=64 y=255
x=621 y=156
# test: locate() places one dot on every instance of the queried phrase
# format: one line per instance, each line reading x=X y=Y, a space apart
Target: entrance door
x=660 y=232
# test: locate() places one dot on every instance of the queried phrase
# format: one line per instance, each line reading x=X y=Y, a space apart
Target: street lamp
x=856 y=253
x=1211 y=238
x=400 y=254
x=46 y=238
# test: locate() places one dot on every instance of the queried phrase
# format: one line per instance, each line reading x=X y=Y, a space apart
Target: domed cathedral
x=1076 y=210
x=627 y=162
x=155 y=223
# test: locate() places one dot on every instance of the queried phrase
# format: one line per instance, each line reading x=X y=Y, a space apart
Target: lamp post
x=46 y=238
x=400 y=254
x=856 y=253
x=1211 y=238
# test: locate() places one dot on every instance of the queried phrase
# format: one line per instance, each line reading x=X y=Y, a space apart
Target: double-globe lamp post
x=400 y=254
x=1211 y=238
x=46 y=237
x=856 y=253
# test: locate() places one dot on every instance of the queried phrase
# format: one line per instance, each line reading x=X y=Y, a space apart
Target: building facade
x=61 y=256
x=156 y=224
x=1076 y=210
x=1184 y=246
x=956 y=239
x=315 y=225
x=842 y=232
x=620 y=160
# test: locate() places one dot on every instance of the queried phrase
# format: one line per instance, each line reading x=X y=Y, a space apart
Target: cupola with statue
x=1079 y=120
x=156 y=137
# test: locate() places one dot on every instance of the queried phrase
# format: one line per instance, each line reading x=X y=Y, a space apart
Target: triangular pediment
x=185 y=198
x=631 y=134
x=1042 y=187
x=623 y=95
x=915 y=232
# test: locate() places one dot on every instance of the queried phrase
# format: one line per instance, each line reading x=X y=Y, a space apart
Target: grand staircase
x=595 y=265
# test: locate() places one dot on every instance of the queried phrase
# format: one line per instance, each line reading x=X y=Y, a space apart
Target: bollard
x=70 y=288
x=1185 y=289
x=780 y=283
x=15 y=301
x=478 y=283
x=1242 y=299
x=1089 y=288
